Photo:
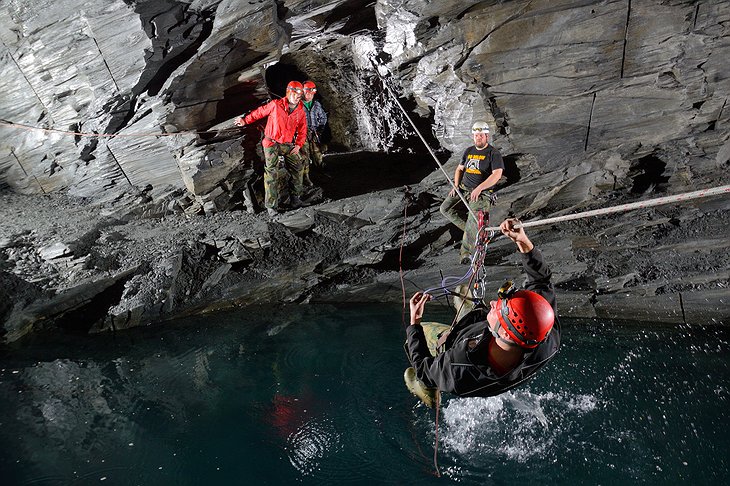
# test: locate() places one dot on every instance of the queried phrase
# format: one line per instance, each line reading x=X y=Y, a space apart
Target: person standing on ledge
x=494 y=347
x=480 y=169
x=284 y=136
x=316 y=120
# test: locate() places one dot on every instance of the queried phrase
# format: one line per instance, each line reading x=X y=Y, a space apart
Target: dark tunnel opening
x=279 y=75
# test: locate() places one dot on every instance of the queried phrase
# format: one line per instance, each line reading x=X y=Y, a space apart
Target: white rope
x=448 y=178
x=569 y=217
x=625 y=207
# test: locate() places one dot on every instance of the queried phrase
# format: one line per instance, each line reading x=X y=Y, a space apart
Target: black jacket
x=463 y=369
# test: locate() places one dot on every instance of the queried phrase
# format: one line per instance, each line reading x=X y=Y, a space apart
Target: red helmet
x=295 y=86
x=526 y=316
x=310 y=86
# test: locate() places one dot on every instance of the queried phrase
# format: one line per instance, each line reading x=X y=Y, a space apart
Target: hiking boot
x=425 y=394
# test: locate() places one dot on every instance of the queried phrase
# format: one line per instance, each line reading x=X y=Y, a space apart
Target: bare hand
x=452 y=192
x=475 y=194
x=295 y=150
x=518 y=235
x=239 y=122
x=418 y=302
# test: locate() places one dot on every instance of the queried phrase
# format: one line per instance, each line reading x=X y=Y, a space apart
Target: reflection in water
x=316 y=396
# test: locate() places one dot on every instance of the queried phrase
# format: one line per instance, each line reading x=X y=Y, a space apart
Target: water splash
x=514 y=426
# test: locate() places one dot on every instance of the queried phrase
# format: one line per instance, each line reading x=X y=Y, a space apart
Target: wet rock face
x=136 y=69
x=591 y=104
x=564 y=84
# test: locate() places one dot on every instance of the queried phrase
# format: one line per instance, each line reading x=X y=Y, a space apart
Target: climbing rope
x=428 y=147
x=476 y=267
x=476 y=272
x=436 y=434
x=400 y=258
x=101 y=135
x=687 y=196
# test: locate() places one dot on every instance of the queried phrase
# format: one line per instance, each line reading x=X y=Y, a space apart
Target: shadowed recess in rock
x=410 y=141
x=511 y=171
x=358 y=15
x=648 y=175
x=176 y=34
x=237 y=100
x=347 y=175
x=82 y=319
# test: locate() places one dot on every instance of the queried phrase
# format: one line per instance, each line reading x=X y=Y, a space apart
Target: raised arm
x=538 y=272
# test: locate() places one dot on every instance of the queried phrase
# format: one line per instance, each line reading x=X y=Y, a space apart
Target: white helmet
x=480 y=127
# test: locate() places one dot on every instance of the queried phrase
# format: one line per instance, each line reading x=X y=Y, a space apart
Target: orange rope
x=403 y=318
x=400 y=261
x=436 y=441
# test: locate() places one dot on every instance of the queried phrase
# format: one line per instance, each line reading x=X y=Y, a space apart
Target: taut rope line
x=687 y=196
x=107 y=135
x=448 y=178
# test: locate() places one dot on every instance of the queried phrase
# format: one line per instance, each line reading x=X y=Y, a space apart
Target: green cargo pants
x=312 y=157
x=278 y=177
x=454 y=210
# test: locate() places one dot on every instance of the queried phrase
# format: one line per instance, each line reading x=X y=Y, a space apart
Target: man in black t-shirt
x=480 y=169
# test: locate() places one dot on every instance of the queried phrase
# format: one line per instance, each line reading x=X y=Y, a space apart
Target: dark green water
x=314 y=395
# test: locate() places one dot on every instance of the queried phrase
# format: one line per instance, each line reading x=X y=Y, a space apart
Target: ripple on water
x=310 y=444
x=317 y=448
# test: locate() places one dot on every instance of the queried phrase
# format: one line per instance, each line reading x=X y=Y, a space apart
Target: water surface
x=314 y=395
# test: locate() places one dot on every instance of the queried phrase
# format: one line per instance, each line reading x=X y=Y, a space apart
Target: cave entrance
x=348 y=174
x=279 y=75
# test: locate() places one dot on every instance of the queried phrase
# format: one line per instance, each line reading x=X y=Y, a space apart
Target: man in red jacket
x=284 y=136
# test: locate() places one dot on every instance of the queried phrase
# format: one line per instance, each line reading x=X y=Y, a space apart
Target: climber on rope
x=284 y=136
x=480 y=169
x=495 y=347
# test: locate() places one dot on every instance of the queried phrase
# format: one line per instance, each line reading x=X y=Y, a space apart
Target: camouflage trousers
x=312 y=155
x=454 y=210
x=282 y=177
